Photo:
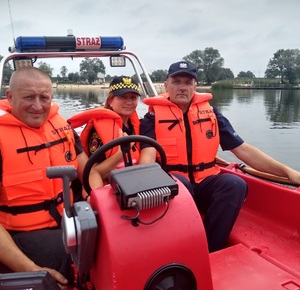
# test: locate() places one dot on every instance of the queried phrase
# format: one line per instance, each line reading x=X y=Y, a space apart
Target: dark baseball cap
x=122 y=85
x=182 y=67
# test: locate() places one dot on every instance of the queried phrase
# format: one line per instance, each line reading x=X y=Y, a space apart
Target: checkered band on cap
x=124 y=84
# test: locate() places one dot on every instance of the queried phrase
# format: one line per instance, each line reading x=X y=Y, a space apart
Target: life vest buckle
x=202 y=166
x=58 y=199
x=199 y=167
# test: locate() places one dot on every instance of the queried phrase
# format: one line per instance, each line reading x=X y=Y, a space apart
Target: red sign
x=88 y=42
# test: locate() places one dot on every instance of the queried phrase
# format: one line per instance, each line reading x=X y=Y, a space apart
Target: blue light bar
x=67 y=43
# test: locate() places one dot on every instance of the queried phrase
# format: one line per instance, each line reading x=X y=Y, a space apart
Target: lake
x=267 y=119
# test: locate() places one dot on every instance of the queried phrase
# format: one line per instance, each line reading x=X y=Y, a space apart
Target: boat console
x=137 y=230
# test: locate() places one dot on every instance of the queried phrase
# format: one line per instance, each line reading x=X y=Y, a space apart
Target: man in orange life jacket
x=190 y=131
x=33 y=136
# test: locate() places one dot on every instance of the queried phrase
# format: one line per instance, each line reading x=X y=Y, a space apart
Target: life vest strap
x=190 y=168
x=42 y=146
x=173 y=123
x=201 y=121
x=49 y=205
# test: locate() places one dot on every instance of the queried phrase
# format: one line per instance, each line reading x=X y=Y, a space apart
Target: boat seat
x=238 y=267
x=269 y=224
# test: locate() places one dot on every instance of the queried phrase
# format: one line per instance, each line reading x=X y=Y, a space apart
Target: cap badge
x=126 y=81
x=183 y=65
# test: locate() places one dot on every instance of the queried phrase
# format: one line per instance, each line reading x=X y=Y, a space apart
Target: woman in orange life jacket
x=117 y=118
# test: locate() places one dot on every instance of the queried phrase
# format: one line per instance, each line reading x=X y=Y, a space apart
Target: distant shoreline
x=158 y=86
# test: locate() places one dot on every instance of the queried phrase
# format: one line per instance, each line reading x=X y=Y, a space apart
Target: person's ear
x=166 y=86
x=8 y=96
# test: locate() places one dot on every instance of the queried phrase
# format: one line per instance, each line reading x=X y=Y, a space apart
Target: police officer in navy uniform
x=219 y=197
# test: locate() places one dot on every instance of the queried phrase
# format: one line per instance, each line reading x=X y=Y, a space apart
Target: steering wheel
x=123 y=141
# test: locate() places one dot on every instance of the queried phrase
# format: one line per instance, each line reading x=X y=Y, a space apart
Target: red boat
x=149 y=235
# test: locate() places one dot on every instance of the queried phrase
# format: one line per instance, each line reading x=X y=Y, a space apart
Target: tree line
x=284 y=65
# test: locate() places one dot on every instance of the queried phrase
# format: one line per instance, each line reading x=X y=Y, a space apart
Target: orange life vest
x=107 y=123
x=24 y=183
x=171 y=134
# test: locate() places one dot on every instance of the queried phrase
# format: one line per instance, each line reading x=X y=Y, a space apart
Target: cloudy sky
x=246 y=33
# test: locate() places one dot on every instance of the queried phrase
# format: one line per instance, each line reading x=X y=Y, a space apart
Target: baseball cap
x=182 y=67
x=123 y=84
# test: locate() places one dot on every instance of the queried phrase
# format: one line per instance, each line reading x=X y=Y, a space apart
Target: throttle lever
x=67 y=174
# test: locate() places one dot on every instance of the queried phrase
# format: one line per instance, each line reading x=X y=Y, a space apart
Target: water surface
x=267 y=119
